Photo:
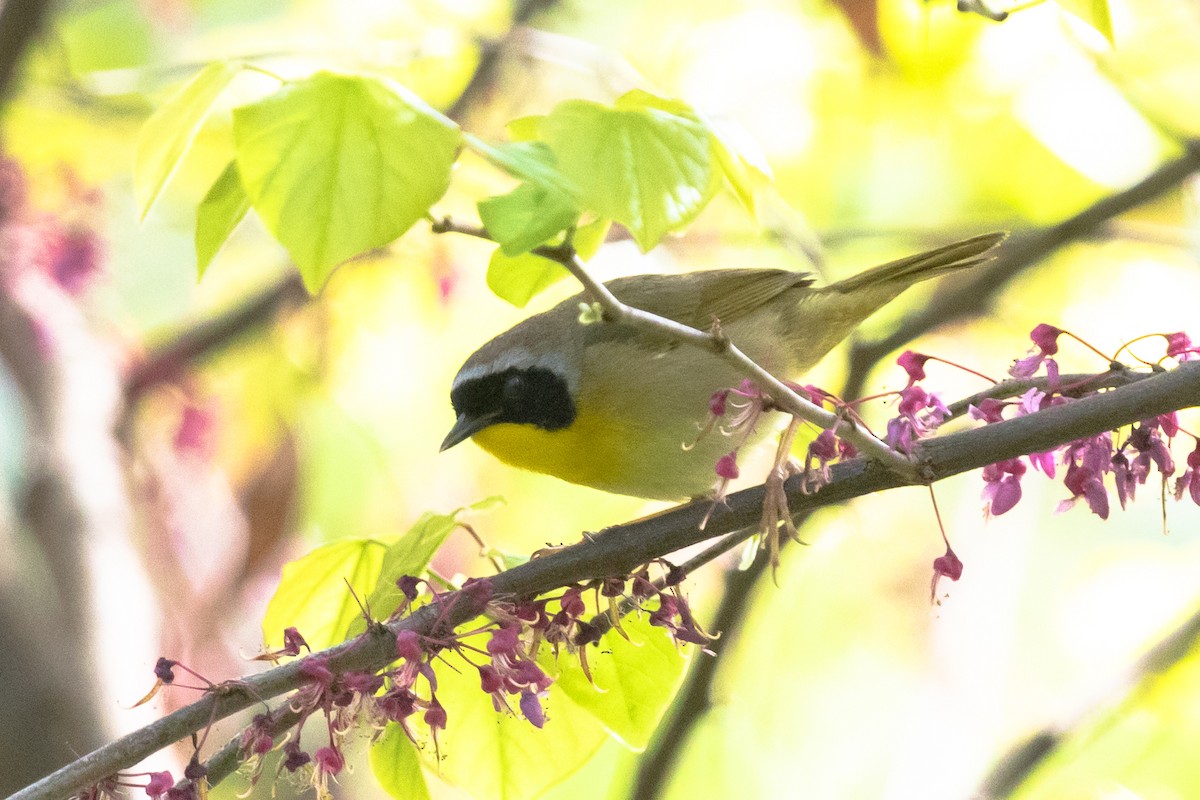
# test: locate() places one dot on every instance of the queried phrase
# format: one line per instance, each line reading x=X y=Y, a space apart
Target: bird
x=611 y=406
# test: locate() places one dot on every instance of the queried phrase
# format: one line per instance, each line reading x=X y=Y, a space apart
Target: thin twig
x=1068 y=385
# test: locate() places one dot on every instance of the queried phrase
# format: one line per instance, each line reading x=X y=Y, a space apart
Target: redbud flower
x=164 y=670
x=257 y=739
x=1002 y=489
x=293 y=641
x=295 y=758
x=717 y=403
x=159 y=784
x=531 y=707
x=1045 y=337
x=948 y=566
x=316 y=670
x=435 y=716
x=727 y=467
x=914 y=364
x=329 y=760
x=1180 y=347
x=408 y=646
x=989 y=410
x=1189 y=481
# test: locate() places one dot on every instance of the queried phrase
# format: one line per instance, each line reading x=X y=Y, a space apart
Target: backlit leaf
x=222 y=208
x=500 y=756
x=170 y=130
x=1093 y=12
x=527 y=216
x=646 y=162
x=633 y=681
x=336 y=165
x=518 y=279
x=396 y=766
x=313 y=595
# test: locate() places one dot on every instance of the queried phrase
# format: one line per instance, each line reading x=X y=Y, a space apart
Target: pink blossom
x=726 y=467
x=914 y=364
x=329 y=760
x=1002 y=489
x=948 y=566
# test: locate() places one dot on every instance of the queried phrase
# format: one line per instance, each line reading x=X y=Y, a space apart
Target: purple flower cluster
x=1088 y=462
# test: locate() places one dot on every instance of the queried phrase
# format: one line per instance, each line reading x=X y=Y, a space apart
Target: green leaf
x=525 y=129
x=171 y=129
x=1093 y=12
x=633 y=681
x=518 y=278
x=647 y=162
x=532 y=162
x=336 y=165
x=742 y=162
x=396 y=765
x=501 y=757
x=527 y=216
x=408 y=555
x=589 y=238
x=312 y=594
x=222 y=208
x=102 y=36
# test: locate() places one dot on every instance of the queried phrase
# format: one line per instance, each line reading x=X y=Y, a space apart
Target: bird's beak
x=465 y=427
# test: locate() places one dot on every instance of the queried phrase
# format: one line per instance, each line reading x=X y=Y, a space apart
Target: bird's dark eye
x=513 y=391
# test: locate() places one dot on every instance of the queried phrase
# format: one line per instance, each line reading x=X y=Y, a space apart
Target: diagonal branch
x=973 y=292
x=1017 y=765
x=20 y=23
x=622 y=549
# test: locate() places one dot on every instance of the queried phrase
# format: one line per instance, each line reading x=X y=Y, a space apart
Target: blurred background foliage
x=890 y=126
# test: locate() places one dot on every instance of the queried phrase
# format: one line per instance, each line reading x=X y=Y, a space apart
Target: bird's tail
x=829 y=314
x=907 y=271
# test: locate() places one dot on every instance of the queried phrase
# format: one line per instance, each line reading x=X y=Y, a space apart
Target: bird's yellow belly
x=607 y=453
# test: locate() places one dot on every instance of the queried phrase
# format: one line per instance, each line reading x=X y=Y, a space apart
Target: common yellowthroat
x=610 y=407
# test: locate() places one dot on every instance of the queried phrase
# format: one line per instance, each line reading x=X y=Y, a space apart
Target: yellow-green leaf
x=336 y=165
x=503 y=757
x=742 y=162
x=313 y=595
x=396 y=766
x=589 y=238
x=222 y=208
x=527 y=216
x=646 y=162
x=171 y=129
x=518 y=278
x=1093 y=12
x=633 y=681
x=408 y=555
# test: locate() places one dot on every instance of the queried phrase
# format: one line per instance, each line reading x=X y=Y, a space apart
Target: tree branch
x=194 y=344
x=1019 y=763
x=973 y=292
x=20 y=23
x=622 y=549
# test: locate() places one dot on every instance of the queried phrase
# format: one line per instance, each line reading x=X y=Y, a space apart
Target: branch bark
x=621 y=549
x=20 y=23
